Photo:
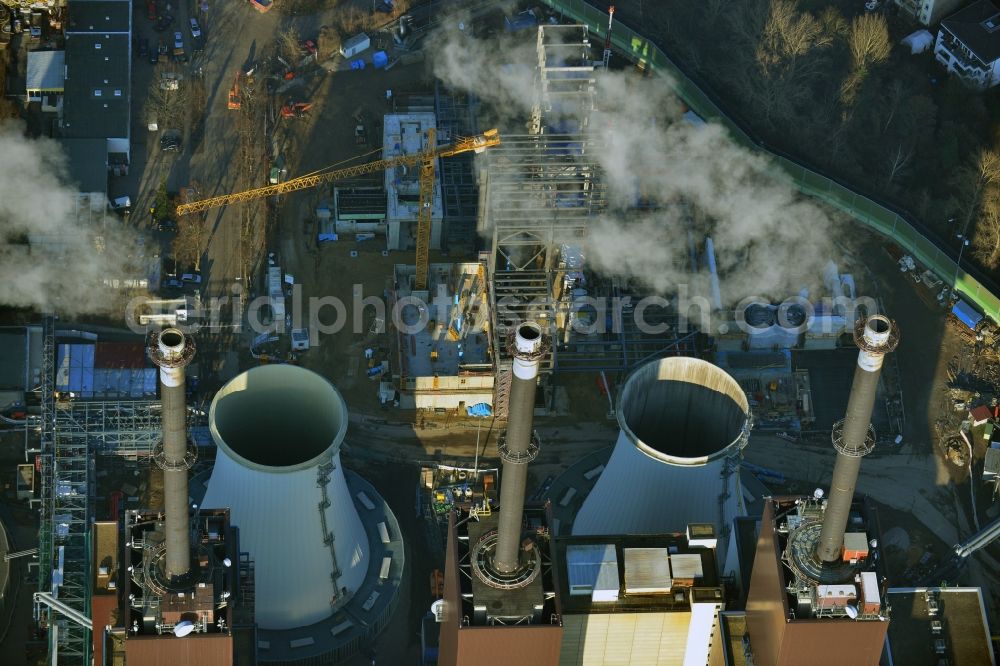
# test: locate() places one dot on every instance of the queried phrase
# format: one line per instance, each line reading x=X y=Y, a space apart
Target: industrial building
x=327 y=551
x=650 y=599
x=684 y=424
x=408 y=134
x=443 y=352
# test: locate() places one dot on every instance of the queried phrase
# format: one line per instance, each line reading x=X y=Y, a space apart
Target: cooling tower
x=278 y=429
x=684 y=423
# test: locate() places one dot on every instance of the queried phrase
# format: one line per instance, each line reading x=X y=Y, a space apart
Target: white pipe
x=71 y=613
x=714 y=275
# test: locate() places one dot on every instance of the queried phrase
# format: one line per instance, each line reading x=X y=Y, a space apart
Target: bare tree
x=289 y=45
x=189 y=243
x=898 y=163
x=169 y=98
x=869 y=41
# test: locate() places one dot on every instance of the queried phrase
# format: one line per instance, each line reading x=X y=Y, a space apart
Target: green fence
x=649 y=56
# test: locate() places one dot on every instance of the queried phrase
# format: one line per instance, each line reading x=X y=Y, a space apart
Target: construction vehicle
x=293 y=109
x=425 y=159
x=234 y=93
x=360 y=129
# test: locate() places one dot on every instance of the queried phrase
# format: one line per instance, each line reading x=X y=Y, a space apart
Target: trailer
x=355 y=45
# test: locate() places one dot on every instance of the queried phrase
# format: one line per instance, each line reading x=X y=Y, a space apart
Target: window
x=118 y=93
x=97 y=92
x=97 y=46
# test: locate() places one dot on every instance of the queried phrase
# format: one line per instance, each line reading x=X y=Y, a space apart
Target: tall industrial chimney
x=172 y=350
x=517 y=445
x=853 y=437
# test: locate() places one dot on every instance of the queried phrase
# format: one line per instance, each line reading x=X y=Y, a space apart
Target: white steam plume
x=50 y=259
x=769 y=240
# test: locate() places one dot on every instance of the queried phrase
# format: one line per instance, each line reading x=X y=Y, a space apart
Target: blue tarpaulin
x=966 y=314
x=380 y=59
x=480 y=409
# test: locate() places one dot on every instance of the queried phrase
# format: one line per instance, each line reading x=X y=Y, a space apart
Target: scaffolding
x=64 y=547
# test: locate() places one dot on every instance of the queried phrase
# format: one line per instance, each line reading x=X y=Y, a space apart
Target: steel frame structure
x=454 y=115
x=541 y=193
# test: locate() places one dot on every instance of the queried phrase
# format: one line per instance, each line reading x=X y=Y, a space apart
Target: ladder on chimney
x=501 y=389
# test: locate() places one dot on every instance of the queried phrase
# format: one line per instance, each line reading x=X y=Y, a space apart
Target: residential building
x=928 y=12
x=968 y=44
x=98 y=75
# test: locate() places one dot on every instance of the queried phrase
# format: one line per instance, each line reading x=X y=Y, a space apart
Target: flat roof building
x=650 y=600
x=938 y=623
x=443 y=346
x=407 y=134
x=98 y=76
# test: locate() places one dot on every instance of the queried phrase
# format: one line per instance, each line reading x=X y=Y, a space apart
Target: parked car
x=194 y=277
x=143 y=47
x=172 y=284
x=167 y=225
x=154 y=56
x=195 y=30
x=178 y=40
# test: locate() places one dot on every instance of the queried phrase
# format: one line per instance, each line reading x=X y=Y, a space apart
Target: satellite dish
x=185 y=627
x=228 y=562
x=873 y=543
x=851 y=611
x=818 y=493
x=438 y=609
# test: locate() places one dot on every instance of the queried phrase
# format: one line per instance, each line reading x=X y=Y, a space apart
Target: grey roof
x=100 y=16
x=96 y=102
x=45 y=70
x=978 y=27
x=88 y=164
x=12 y=358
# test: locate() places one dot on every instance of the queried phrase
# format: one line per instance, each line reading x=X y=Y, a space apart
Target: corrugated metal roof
x=168 y=650
x=45 y=71
x=592 y=569
x=647 y=570
x=686 y=566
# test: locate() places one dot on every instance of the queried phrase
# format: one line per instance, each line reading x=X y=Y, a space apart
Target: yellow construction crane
x=425 y=159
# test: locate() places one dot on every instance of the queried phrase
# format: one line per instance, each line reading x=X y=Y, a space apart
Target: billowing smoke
x=56 y=250
x=769 y=240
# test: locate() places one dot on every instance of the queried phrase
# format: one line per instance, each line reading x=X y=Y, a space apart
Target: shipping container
x=355 y=45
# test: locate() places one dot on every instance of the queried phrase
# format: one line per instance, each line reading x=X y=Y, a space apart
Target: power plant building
x=408 y=134
x=327 y=551
x=684 y=423
x=443 y=338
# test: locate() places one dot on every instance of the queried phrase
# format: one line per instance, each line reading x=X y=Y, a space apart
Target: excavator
x=425 y=159
x=234 y=94
x=295 y=109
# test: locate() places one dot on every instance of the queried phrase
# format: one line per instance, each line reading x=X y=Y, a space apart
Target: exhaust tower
x=172 y=350
x=853 y=437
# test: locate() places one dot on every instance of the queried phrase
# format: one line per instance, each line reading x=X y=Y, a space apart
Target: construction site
x=404 y=350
